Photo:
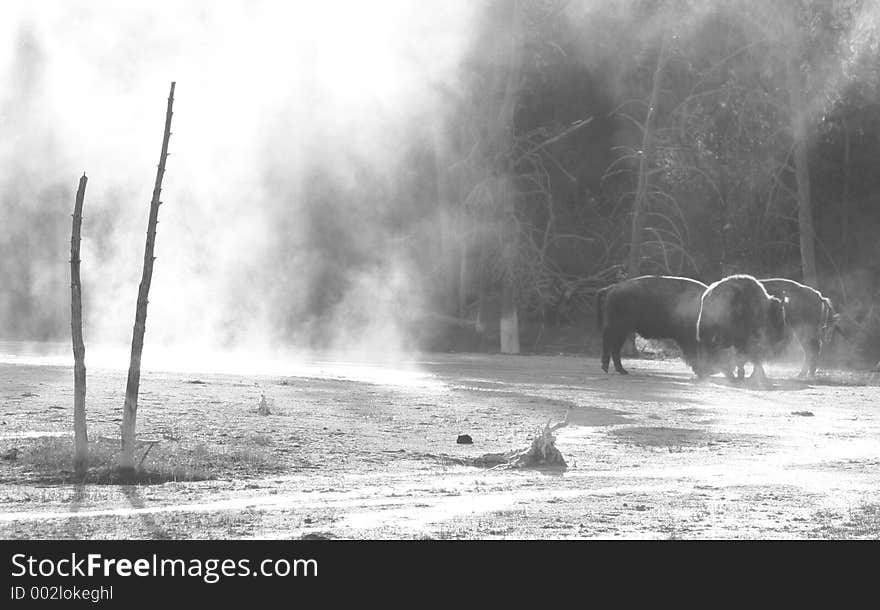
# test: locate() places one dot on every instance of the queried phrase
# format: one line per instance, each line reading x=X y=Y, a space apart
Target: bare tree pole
x=844 y=198
x=641 y=196
x=800 y=134
x=129 y=414
x=80 y=434
x=638 y=221
x=504 y=132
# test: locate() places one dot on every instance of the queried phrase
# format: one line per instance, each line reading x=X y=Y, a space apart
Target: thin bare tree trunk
x=462 y=273
x=647 y=152
x=447 y=236
x=480 y=325
x=509 y=319
x=845 y=203
x=509 y=322
x=450 y=240
x=129 y=414
x=799 y=132
x=80 y=433
x=722 y=234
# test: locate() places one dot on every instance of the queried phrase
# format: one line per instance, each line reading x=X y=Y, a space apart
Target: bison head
x=713 y=360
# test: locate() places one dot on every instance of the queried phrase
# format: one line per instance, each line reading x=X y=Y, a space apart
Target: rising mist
x=330 y=184
x=292 y=123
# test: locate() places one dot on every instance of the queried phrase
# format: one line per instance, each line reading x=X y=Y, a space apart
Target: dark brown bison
x=738 y=315
x=654 y=306
x=809 y=317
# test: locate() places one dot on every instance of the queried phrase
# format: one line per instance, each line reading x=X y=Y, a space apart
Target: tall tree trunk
x=509 y=323
x=448 y=236
x=725 y=220
x=80 y=433
x=462 y=267
x=450 y=263
x=129 y=413
x=641 y=198
x=800 y=135
x=845 y=203
x=509 y=319
x=482 y=297
x=647 y=154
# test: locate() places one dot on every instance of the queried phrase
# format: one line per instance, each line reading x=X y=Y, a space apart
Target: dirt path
x=361 y=452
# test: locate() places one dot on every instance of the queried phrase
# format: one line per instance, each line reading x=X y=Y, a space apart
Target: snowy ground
x=361 y=451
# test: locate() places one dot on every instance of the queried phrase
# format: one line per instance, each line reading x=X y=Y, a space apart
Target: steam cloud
x=291 y=121
x=296 y=129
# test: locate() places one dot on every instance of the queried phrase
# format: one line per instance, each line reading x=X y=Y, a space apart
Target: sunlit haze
x=272 y=98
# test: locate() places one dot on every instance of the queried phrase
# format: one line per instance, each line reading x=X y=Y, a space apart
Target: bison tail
x=600 y=305
x=828 y=313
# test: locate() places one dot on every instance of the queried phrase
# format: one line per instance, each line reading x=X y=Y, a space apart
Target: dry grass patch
x=50 y=460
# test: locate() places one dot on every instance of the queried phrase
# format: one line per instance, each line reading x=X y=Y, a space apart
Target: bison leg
x=741 y=368
x=606 y=351
x=811 y=357
x=734 y=368
x=729 y=369
x=758 y=376
x=612 y=343
x=692 y=358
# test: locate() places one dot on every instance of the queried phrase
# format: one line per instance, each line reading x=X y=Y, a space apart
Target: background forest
x=570 y=144
x=593 y=143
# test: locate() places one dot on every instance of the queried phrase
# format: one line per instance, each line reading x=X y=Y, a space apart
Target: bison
x=654 y=306
x=737 y=313
x=809 y=316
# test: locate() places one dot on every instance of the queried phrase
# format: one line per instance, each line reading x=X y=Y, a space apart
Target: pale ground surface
x=361 y=453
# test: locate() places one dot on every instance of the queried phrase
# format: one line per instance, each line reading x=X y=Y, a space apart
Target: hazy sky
x=266 y=92
x=291 y=121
